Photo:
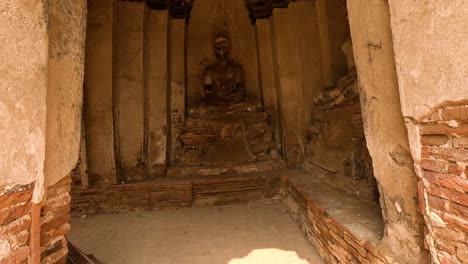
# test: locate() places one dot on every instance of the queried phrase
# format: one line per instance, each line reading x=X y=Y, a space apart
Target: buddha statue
x=223 y=81
x=347 y=88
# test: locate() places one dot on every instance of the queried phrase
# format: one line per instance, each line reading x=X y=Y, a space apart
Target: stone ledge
x=343 y=228
x=177 y=192
x=263 y=166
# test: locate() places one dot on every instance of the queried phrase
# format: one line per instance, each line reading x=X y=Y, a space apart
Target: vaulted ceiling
x=258 y=9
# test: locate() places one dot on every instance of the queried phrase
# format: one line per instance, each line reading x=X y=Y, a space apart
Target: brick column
x=443 y=187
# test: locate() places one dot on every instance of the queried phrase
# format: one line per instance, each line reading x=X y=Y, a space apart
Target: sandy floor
x=254 y=234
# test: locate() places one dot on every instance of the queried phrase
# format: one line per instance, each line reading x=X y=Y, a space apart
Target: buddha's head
x=221 y=46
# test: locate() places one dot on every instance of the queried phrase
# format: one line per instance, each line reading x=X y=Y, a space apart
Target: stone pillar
x=23 y=89
x=67 y=30
x=98 y=91
x=176 y=50
x=267 y=72
x=322 y=16
x=385 y=131
x=297 y=50
x=156 y=92
x=429 y=39
x=131 y=89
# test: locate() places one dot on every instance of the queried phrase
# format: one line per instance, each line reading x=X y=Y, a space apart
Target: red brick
x=441 y=166
x=445 y=153
x=446 y=258
x=17 y=256
x=443 y=205
x=456 y=113
x=11 y=214
x=55 y=223
x=16 y=226
x=450 y=234
x=437 y=203
x=456 y=222
x=452 y=195
x=434 y=140
x=457 y=209
x=443 y=129
x=447 y=180
x=46 y=238
x=446 y=246
x=8 y=200
x=462 y=253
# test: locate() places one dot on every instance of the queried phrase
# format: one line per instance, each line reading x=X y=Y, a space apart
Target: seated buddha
x=224 y=80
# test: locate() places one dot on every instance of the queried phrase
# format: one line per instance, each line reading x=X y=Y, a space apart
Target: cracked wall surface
x=385 y=130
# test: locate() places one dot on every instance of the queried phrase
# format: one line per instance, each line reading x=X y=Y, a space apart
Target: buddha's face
x=221 y=47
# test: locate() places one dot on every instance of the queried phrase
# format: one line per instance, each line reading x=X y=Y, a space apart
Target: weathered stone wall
x=98 y=91
x=55 y=218
x=131 y=88
x=67 y=30
x=156 y=93
x=430 y=54
x=334 y=29
x=298 y=63
x=23 y=87
x=430 y=50
x=385 y=131
x=207 y=19
x=42 y=77
x=15 y=221
x=443 y=187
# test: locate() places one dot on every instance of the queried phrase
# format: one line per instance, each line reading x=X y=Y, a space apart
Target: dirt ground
x=258 y=233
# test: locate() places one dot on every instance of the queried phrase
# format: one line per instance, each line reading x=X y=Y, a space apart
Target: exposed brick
x=450 y=234
x=456 y=222
x=452 y=195
x=445 y=245
x=17 y=226
x=443 y=129
x=456 y=113
x=445 y=153
x=434 y=140
x=55 y=223
x=9 y=215
x=17 y=256
x=457 y=209
x=462 y=253
x=12 y=199
x=447 y=180
x=441 y=166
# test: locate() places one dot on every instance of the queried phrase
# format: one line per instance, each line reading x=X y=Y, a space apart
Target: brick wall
x=443 y=188
x=334 y=242
x=15 y=220
x=55 y=218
